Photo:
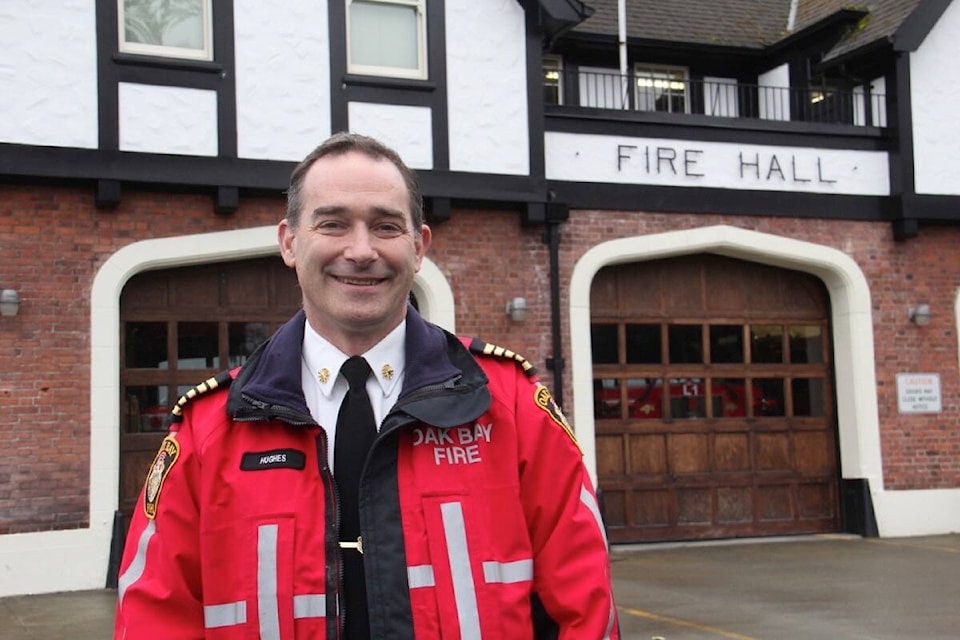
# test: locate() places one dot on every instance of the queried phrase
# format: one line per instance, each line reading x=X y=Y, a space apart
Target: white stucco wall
x=48 y=73
x=157 y=119
x=487 y=89
x=283 y=77
x=934 y=96
x=406 y=129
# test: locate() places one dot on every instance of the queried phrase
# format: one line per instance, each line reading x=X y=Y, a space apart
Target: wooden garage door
x=713 y=400
x=180 y=327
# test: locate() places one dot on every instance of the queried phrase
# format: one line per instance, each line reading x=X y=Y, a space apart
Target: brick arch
x=82 y=555
x=857 y=411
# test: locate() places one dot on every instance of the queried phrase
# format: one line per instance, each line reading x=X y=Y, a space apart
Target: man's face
x=354 y=249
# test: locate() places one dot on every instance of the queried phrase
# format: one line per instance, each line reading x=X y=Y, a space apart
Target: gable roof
x=883 y=19
x=749 y=24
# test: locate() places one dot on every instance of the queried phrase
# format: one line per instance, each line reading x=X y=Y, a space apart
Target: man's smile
x=360 y=282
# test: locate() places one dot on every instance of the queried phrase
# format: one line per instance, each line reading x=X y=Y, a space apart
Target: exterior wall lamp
x=9 y=302
x=517 y=309
x=920 y=314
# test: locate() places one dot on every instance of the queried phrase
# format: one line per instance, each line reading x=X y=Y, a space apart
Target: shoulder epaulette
x=487 y=349
x=222 y=379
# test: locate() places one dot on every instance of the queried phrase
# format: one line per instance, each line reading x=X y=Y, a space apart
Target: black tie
x=356 y=431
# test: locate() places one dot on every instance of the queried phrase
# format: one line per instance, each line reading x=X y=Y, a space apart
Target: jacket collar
x=272 y=375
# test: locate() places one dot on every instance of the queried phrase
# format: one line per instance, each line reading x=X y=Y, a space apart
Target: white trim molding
x=76 y=559
x=854 y=363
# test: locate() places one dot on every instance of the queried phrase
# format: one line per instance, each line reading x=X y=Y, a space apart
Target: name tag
x=276 y=459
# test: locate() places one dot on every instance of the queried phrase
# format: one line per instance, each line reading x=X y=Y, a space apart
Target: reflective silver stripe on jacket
x=313 y=605
x=267 y=608
x=420 y=576
x=464 y=589
x=590 y=502
x=224 y=615
x=508 y=572
x=310 y=606
x=139 y=562
x=464 y=592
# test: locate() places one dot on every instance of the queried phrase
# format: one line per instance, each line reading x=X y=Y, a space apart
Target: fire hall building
x=726 y=232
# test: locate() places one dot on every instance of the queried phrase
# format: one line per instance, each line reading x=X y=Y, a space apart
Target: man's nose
x=360 y=244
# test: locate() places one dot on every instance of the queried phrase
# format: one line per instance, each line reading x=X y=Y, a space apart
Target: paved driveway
x=815 y=588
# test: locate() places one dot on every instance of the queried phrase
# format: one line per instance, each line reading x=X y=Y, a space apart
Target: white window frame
x=139 y=48
x=641 y=71
x=420 y=73
x=554 y=64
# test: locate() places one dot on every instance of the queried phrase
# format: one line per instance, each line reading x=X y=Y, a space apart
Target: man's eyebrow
x=328 y=210
x=338 y=210
x=391 y=213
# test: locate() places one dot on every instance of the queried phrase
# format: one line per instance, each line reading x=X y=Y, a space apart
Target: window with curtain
x=661 y=88
x=553 y=80
x=387 y=38
x=168 y=28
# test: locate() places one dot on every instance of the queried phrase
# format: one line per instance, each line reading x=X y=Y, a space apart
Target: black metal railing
x=716 y=98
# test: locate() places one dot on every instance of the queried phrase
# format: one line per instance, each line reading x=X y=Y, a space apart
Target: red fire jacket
x=478 y=518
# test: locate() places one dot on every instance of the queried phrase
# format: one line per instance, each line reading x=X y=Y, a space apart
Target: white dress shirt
x=324 y=388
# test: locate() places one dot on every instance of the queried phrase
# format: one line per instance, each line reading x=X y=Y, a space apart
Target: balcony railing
x=716 y=98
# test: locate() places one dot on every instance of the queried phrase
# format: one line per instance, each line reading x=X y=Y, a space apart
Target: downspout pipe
x=551 y=215
x=556 y=214
x=622 y=35
x=622 y=48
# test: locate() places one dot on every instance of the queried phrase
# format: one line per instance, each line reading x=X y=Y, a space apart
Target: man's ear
x=287 y=241
x=423 y=243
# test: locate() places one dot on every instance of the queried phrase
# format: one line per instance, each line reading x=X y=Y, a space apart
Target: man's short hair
x=344 y=142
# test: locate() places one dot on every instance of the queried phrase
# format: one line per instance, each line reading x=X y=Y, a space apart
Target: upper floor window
x=169 y=28
x=552 y=80
x=661 y=88
x=387 y=38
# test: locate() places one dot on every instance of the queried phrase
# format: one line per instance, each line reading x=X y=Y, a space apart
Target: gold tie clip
x=358 y=545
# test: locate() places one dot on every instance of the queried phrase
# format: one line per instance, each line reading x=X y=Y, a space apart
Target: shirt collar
x=387 y=359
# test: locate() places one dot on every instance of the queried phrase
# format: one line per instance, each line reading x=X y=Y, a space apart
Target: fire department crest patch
x=545 y=401
x=166 y=457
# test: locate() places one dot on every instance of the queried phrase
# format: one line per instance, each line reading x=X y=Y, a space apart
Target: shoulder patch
x=166 y=458
x=485 y=348
x=544 y=400
x=222 y=379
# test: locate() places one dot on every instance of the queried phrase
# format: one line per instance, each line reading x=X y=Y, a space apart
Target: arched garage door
x=178 y=328
x=713 y=400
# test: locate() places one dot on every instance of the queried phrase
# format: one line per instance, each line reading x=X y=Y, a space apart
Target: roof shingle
x=750 y=24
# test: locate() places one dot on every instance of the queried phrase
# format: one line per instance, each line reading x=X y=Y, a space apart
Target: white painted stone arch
x=860 y=455
x=77 y=559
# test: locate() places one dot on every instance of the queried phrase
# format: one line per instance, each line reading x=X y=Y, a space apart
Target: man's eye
x=388 y=229
x=328 y=225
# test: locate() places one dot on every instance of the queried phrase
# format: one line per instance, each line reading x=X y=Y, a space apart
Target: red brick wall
x=53 y=240
x=489 y=258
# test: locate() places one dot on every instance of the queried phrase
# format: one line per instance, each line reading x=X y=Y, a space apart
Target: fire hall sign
x=723 y=165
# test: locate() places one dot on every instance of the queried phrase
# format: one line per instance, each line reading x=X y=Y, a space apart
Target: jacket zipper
x=433 y=389
x=267 y=412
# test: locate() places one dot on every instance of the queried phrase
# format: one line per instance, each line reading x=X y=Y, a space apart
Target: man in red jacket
x=475 y=517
